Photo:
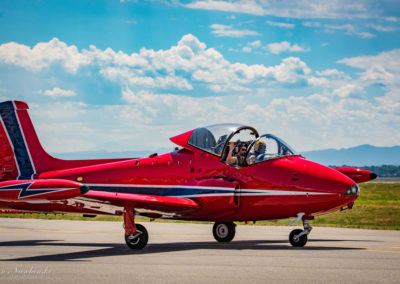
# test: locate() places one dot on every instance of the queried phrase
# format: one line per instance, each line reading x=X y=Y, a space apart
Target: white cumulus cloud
x=291 y=71
x=380 y=28
x=185 y=66
x=279 y=47
x=228 y=31
x=256 y=43
x=337 y=112
x=383 y=68
x=311 y=24
x=281 y=25
x=302 y=9
x=57 y=92
x=246 y=49
x=349 y=30
x=190 y=63
x=42 y=55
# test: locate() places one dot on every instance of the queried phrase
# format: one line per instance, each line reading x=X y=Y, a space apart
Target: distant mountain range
x=363 y=155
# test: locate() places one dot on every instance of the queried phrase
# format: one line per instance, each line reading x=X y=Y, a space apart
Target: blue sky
x=127 y=75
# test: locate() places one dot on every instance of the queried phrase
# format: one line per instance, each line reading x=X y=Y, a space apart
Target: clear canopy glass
x=212 y=138
x=268 y=147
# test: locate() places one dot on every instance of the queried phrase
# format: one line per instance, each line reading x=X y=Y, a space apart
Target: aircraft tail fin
x=22 y=156
x=20 y=150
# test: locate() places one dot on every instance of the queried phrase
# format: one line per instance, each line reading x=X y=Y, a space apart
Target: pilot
x=259 y=152
x=239 y=158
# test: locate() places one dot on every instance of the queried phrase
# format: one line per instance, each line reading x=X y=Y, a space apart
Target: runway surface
x=60 y=251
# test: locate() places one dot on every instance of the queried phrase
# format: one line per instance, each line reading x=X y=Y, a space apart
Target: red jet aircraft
x=222 y=173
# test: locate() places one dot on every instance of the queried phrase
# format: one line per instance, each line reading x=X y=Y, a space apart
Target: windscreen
x=268 y=147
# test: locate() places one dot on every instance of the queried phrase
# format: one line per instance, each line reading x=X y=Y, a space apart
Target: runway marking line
x=58 y=231
x=389 y=251
x=96 y=232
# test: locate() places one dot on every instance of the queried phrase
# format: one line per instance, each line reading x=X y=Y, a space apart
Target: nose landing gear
x=298 y=238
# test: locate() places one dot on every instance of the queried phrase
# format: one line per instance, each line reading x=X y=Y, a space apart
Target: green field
x=378 y=207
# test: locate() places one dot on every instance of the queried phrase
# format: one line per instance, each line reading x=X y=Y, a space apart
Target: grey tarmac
x=62 y=251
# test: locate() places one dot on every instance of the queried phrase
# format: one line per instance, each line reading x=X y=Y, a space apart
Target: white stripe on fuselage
x=260 y=193
x=225 y=191
x=160 y=186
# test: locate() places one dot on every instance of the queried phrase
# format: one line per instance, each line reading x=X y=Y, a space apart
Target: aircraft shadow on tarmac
x=112 y=249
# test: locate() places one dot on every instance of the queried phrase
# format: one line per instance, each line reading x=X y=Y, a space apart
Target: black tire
x=299 y=242
x=224 y=232
x=140 y=241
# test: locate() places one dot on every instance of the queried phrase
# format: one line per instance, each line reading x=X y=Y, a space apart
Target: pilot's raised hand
x=230 y=159
x=231 y=146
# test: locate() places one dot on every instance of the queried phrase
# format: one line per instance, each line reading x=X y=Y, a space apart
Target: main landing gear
x=136 y=235
x=298 y=237
x=224 y=232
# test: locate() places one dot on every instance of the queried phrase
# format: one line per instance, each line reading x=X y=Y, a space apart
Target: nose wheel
x=298 y=237
x=224 y=232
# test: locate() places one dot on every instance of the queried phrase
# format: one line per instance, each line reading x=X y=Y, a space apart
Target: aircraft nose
x=319 y=178
x=341 y=191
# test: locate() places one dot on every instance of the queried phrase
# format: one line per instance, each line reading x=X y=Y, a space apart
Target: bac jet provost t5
x=195 y=182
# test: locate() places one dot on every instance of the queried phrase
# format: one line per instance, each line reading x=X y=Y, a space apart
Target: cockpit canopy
x=215 y=139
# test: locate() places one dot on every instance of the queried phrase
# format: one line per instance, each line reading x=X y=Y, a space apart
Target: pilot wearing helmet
x=259 y=152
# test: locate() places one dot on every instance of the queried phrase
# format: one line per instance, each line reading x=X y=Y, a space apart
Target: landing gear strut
x=136 y=235
x=298 y=238
x=224 y=232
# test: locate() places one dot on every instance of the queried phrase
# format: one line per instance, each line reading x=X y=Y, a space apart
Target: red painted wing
x=142 y=201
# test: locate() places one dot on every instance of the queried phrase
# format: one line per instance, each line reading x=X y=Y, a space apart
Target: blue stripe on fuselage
x=159 y=191
x=8 y=115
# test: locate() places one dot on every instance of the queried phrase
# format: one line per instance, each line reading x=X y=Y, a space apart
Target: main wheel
x=138 y=241
x=297 y=242
x=224 y=232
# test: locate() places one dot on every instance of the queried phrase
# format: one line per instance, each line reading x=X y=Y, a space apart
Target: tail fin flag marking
x=15 y=135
